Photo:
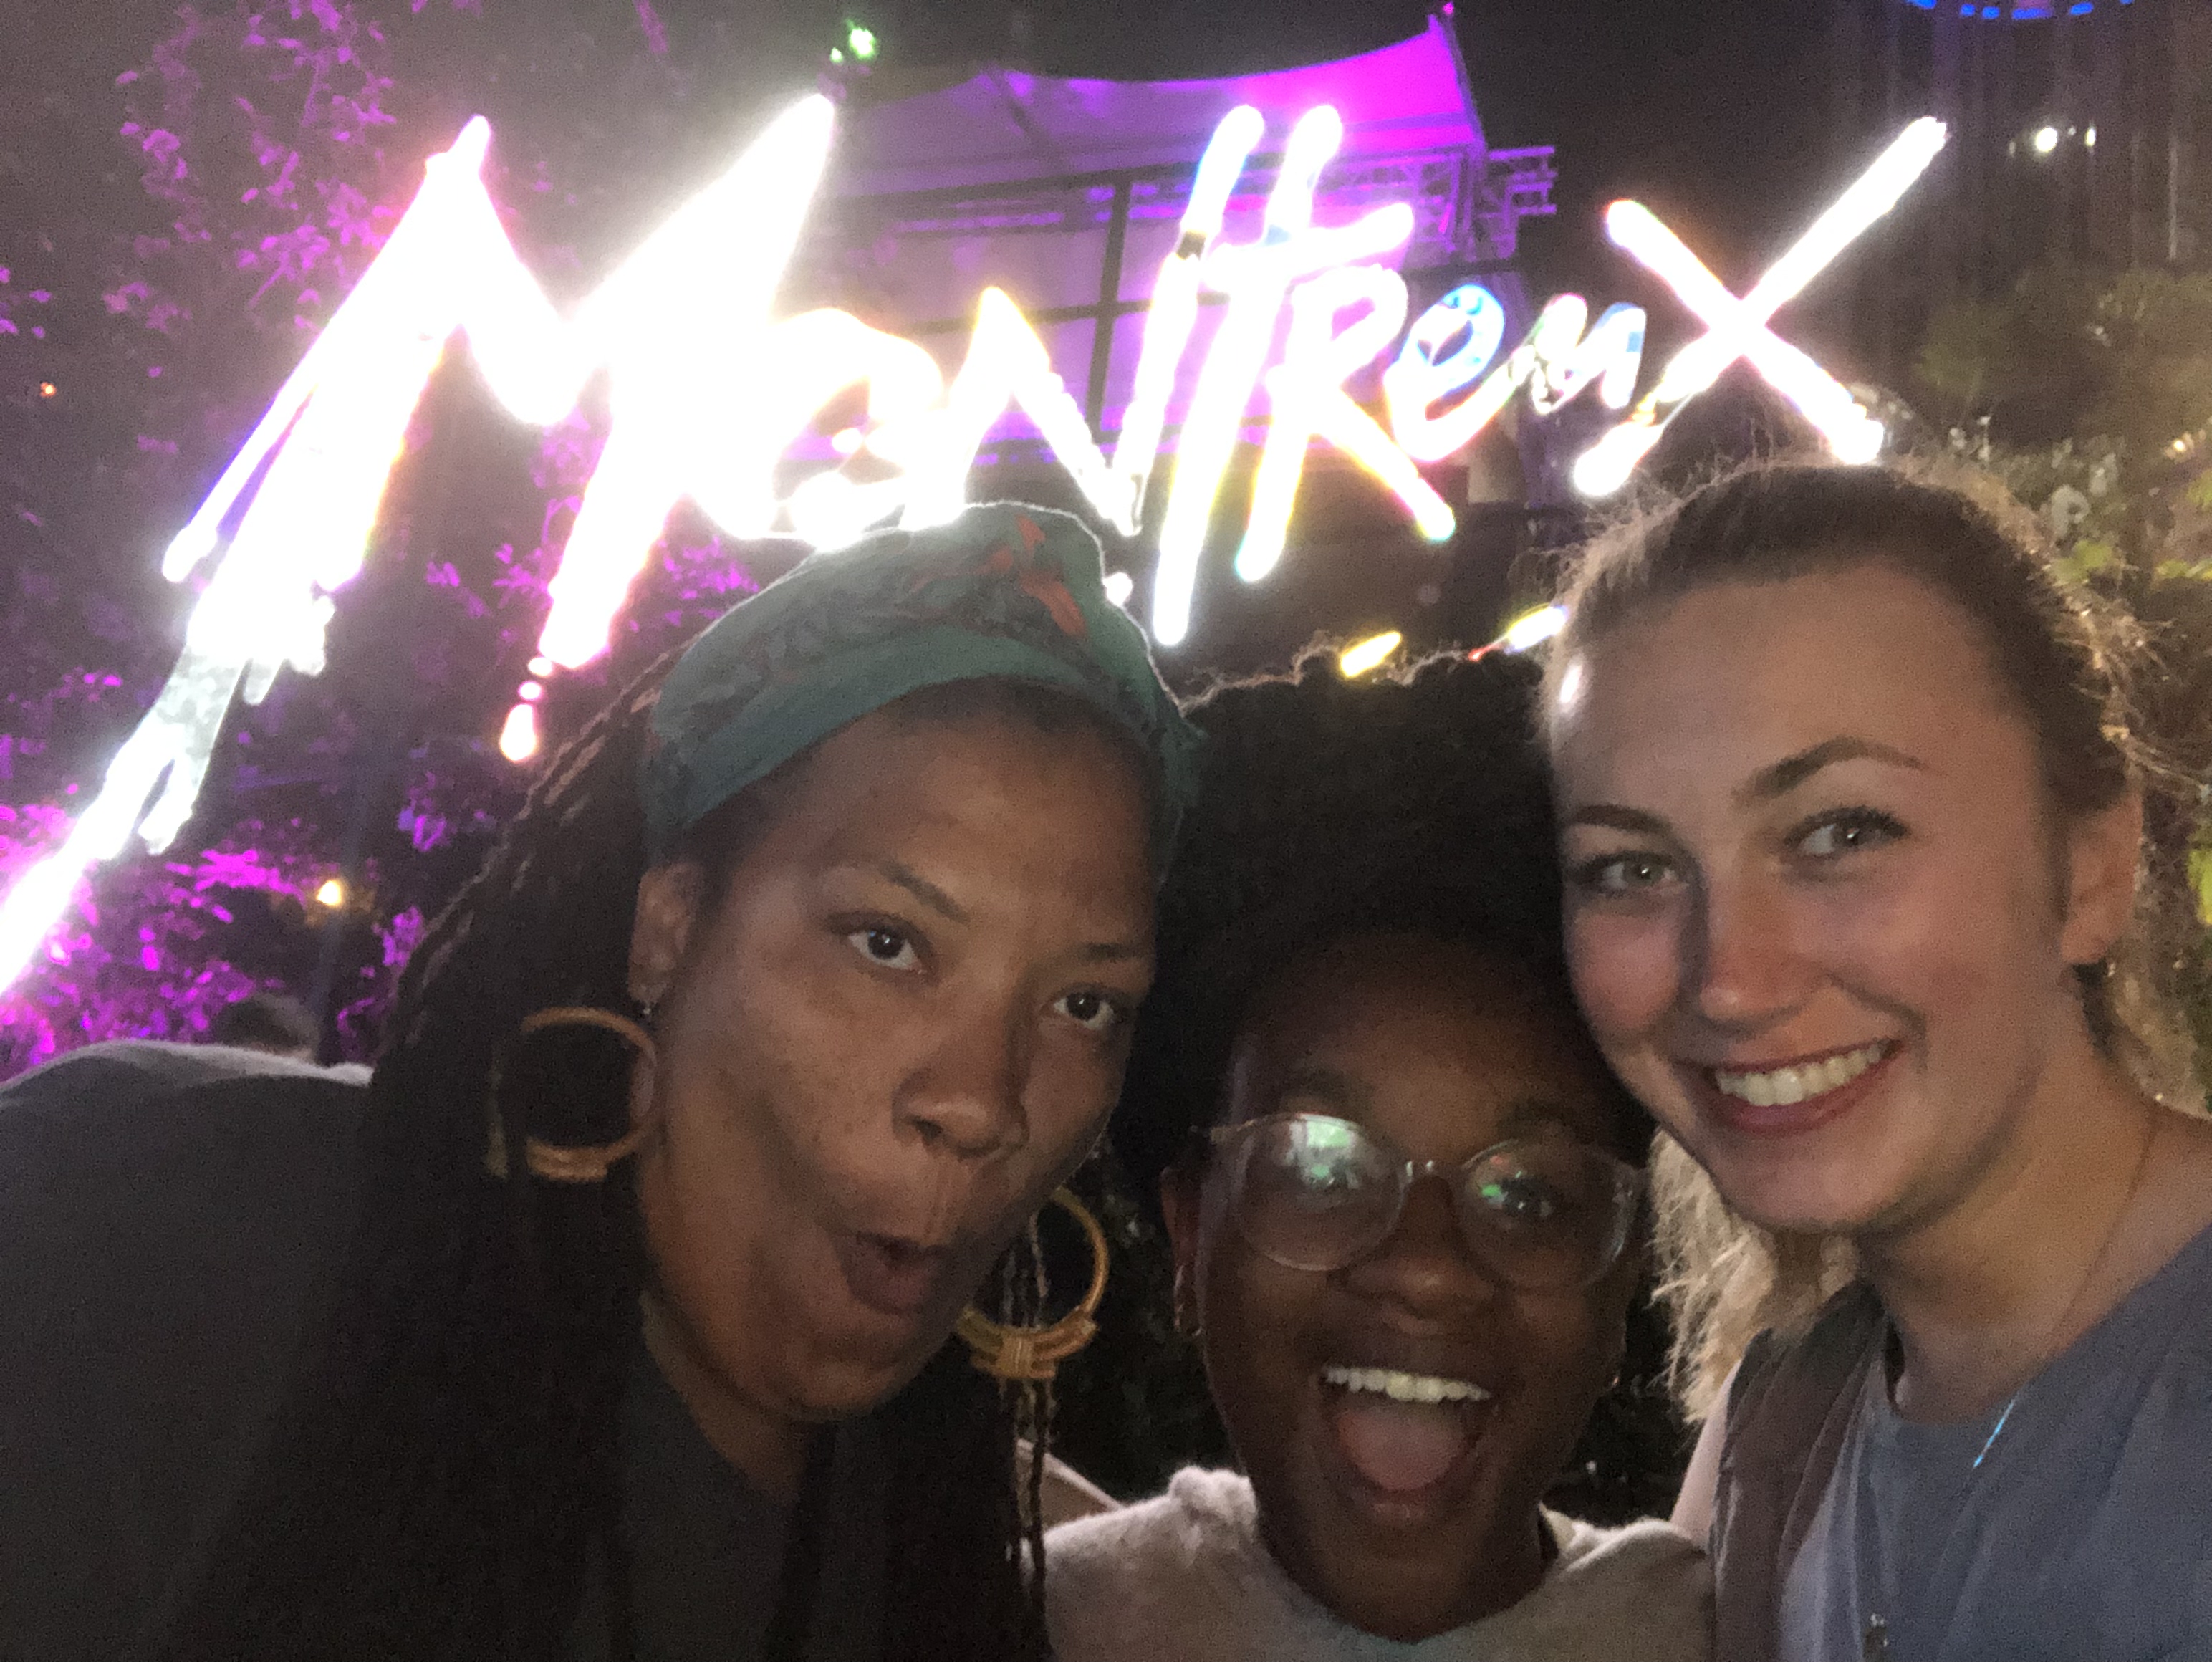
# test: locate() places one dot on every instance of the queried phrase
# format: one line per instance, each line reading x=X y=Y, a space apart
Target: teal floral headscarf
x=1004 y=593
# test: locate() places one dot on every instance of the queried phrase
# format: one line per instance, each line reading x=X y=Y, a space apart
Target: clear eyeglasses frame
x=1315 y=1192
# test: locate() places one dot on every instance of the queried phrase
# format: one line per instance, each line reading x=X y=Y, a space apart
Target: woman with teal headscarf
x=611 y=1319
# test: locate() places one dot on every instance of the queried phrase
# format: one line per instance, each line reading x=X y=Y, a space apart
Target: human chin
x=1840 y=1169
x=837 y=1358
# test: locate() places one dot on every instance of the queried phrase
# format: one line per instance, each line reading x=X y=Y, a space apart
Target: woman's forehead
x=1739 y=676
x=1361 y=1027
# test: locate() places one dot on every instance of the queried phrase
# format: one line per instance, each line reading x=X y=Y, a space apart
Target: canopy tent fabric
x=1068 y=195
x=1003 y=125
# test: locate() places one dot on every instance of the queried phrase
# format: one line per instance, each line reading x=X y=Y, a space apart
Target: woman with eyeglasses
x=1876 y=898
x=1405 y=1199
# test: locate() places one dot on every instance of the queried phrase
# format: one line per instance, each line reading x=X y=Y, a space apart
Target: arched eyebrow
x=1776 y=779
x=923 y=889
x=1780 y=778
x=1616 y=817
x=1094 y=952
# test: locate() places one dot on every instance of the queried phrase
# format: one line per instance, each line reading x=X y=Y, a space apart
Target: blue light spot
x=2019 y=11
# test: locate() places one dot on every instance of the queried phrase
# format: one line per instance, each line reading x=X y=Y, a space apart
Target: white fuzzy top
x=1184 y=1577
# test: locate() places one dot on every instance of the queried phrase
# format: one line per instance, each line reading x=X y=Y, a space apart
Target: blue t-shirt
x=2084 y=1532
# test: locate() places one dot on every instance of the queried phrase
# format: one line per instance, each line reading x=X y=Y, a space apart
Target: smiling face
x=900 y=1028
x=1406 y=1517
x=1818 y=917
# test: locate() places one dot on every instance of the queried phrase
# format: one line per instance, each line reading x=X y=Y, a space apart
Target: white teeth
x=1784 y=1086
x=1404 y=1387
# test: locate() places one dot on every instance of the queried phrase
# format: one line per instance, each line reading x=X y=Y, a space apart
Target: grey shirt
x=2084 y=1532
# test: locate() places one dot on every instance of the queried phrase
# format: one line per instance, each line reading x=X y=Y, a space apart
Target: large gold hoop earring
x=1033 y=1355
x=557 y=1162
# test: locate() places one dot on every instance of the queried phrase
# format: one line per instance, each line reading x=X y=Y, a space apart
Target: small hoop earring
x=1033 y=1355
x=563 y=1163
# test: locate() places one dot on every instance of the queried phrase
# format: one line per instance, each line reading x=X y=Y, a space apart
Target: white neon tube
x=1006 y=364
x=1306 y=390
x=677 y=326
x=1255 y=277
x=1174 y=309
x=1738 y=328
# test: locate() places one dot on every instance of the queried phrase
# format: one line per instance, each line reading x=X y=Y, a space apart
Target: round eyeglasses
x=1315 y=1192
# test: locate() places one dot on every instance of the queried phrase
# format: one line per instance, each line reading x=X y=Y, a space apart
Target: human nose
x=1423 y=1266
x=965 y=1096
x=1745 y=969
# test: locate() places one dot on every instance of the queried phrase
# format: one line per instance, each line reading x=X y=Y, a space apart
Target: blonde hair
x=2068 y=662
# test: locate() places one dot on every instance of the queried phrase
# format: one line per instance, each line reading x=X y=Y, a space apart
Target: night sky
x=1715 y=112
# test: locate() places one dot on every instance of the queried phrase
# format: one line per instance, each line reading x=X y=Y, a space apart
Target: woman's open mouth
x=1405 y=1440
x=1794 y=1096
x=892 y=1276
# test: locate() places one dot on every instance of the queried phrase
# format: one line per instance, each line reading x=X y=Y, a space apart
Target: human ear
x=2103 y=851
x=668 y=905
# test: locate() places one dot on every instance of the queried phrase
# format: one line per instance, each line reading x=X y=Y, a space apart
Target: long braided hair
x=445 y=1481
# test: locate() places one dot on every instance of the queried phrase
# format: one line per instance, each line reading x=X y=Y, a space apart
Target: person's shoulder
x=1826 y=1349
x=127 y=1077
x=1648 y=1547
x=1641 y=1589
x=1149 y=1578
x=203 y=1135
x=147 y=1159
x=172 y=1220
x=1199 y=1511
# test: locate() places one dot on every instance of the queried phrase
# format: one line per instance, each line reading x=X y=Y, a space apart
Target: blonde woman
x=1853 y=838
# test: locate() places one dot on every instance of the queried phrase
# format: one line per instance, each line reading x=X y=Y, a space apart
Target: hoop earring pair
x=562 y=1162
x=1013 y=1355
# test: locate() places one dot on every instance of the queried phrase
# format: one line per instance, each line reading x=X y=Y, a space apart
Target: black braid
x=448 y=1467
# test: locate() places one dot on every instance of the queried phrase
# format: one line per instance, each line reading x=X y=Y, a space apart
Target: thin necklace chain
x=1874 y=1641
x=2055 y=1343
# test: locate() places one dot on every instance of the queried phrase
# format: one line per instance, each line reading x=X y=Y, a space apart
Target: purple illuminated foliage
x=163 y=290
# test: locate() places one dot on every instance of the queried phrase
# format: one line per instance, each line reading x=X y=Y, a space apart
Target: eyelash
x=1587 y=877
x=1873 y=827
x=1868 y=823
x=858 y=934
x=1115 y=1008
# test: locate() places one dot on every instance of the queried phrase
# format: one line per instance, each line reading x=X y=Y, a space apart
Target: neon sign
x=302 y=497
x=1737 y=328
